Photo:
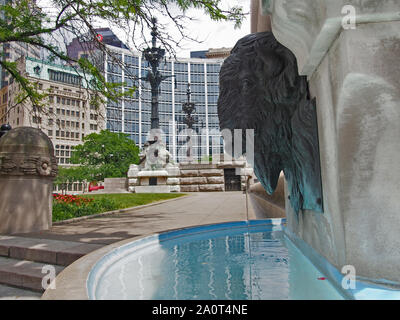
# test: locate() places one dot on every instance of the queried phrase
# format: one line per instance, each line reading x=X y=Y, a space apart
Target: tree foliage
x=51 y=27
x=105 y=155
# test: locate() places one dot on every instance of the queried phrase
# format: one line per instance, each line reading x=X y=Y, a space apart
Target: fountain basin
x=239 y=260
x=256 y=259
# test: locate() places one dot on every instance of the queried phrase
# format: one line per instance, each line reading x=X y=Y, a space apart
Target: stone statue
x=260 y=89
x=154 y=155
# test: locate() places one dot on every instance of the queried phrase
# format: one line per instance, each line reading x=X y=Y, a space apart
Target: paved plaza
x=65 y=243
x=191 y=210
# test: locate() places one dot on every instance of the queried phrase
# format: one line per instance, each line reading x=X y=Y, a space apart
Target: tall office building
x=131 y=115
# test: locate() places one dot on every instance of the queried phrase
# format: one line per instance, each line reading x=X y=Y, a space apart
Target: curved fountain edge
x=71 y=283
x=365 y=289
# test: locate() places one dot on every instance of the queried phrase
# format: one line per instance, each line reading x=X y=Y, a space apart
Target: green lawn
x=105 y=202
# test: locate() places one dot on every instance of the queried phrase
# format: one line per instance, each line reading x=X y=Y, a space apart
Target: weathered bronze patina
x=260 y=89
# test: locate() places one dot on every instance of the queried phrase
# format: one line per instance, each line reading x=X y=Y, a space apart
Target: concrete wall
x=115 y=184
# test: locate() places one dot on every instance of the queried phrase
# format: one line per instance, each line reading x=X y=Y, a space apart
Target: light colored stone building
x=67 y=116
x=218 y=53
x=3 y=104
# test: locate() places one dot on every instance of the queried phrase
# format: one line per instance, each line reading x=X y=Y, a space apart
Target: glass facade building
x=131 y=115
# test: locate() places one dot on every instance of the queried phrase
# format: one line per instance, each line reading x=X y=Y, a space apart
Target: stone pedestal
x=354 y=76
x=27 y=170
x=156 y=173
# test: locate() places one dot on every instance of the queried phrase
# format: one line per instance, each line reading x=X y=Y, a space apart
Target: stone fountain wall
x=192 y=177
x=210 y=177
x=197 y=177
x=354 y=75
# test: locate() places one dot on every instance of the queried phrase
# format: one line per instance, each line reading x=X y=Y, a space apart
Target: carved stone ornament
x=18 y=165
x=260 y=89
x=27 y=151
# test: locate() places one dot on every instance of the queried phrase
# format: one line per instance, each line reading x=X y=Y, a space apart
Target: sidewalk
x=193 y=209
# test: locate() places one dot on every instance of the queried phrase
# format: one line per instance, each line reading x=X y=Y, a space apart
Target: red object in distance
x=99 y=37
x=322 y=278
x=94 y=188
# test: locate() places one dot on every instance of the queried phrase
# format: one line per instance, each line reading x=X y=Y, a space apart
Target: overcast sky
x=215 y=34
x=212 y=34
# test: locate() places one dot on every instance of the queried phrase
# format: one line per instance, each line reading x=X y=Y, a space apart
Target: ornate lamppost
x=154 y=56
x=154 y=155
x=188 y=107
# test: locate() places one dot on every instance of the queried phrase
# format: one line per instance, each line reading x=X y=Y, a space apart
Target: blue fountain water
x=228 y=263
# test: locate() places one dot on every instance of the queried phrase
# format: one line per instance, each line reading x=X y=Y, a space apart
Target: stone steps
x=49 y=251
x=23 y=274
x=12 y=293
x=22 y=259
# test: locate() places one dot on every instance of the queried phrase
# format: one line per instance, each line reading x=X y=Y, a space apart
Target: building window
x=64 y=77
x=35 y=119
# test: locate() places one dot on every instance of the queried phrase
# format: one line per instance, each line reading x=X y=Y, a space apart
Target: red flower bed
x=66 y=198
